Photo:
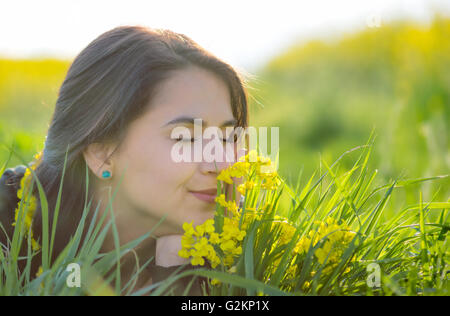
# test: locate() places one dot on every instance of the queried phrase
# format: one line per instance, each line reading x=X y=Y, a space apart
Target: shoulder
x=9 y=183
x=10 y=180
x=13 y=172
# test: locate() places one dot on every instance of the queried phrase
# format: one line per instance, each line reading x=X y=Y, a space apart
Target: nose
x=215 y=167
x=217 y=158
x=211 y=168
x=214 y=164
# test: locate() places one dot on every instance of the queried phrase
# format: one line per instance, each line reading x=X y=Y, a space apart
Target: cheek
x=153 y=182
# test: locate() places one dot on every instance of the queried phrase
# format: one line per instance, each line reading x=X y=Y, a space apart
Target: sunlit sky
x=245 y=33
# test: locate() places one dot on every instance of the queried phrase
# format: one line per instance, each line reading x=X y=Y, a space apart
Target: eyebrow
x=190 y=121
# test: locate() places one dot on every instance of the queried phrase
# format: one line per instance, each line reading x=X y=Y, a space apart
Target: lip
x=207 y=196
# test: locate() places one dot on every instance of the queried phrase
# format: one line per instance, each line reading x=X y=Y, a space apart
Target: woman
x=121 y=99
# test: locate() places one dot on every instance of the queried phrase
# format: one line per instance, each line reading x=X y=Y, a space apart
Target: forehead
x=192 y=92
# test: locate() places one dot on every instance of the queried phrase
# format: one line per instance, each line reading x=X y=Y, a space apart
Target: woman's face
x=153 y=184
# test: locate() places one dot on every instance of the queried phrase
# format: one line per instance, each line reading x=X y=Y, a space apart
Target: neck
x=163 y=250
x=131 y=262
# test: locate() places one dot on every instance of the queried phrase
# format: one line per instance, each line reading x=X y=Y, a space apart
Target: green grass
x=411 y=248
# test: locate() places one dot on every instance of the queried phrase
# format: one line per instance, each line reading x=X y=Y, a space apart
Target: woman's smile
x=207 y=196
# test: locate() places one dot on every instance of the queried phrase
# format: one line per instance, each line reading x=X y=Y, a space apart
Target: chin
x=202 y=217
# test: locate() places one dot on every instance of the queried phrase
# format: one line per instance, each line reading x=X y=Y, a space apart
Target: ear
x=97 y=157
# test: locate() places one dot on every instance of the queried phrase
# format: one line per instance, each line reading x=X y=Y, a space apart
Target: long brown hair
x=108 y=85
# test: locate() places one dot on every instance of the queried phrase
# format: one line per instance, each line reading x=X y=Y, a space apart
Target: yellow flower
x=228 y=245
x=252 y=156
x=197 y=261
x=225 y=176
x=229 y=205
x=306 y=285
x=239 y=169
x=335 y=239
x=38 y=156
x=264 y=160
x=214 y=238
x=246 y=186
x=38 y=274
x=187 y=241
x=237 y=250
x=221 y=200
x=184 y=253
x=189 y=230
x=287 y=230
x=29 y=203
x=233 y=208
x=214 y=259
x=40 y=271
x=209 y=226
x=215 y=282
x=202 y=247
x=271 y=182
x=199 y=230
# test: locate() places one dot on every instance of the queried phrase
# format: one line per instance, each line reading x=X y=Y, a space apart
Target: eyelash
x=193 y=139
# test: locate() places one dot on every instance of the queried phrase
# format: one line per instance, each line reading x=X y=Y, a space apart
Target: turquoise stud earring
x=106 y=174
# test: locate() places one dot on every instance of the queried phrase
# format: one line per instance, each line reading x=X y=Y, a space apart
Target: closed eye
x=231 y=139
x=186 y=140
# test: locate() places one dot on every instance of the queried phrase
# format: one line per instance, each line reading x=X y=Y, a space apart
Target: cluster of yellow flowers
x=287 y=230
x=29 y=202
x=336 y=240
x=264 y=168
x=198 y=243
x=203 y=242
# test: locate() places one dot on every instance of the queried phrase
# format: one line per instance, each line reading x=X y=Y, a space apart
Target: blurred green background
x=326 y=97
